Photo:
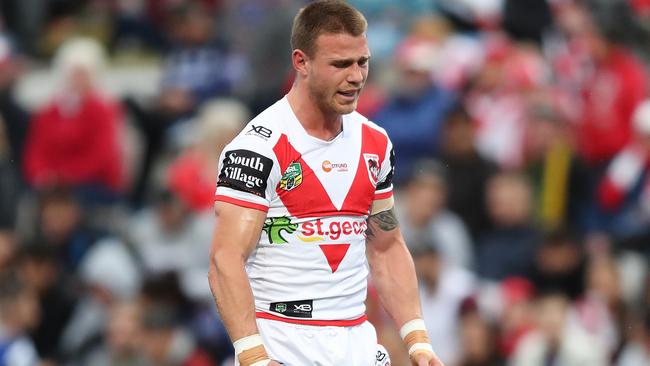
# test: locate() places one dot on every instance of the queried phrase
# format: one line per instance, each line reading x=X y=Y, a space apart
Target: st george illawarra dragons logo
x=372 y=163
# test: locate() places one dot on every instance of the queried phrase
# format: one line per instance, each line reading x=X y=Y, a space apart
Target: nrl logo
x=292 y=177
x=372 y=163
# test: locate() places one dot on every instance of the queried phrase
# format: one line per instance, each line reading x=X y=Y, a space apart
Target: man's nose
x=356 y=75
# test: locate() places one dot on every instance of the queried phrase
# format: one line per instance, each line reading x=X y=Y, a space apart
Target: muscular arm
x=235 y=237
x=391 y=268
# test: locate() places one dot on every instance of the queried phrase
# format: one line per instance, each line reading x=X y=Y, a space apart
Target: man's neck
x=315 y=121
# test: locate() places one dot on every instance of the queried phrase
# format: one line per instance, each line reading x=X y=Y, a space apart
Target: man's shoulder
x=263 y=131
x=359 y=118
x=376 y=132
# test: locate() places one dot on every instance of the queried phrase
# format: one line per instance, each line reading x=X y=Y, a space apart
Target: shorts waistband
x=338 y=323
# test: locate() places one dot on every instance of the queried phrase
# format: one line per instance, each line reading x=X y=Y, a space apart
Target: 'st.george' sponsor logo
x=319 y=230
x=246 y=171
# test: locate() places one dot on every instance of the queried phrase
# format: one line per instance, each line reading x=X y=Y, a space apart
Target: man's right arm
x=235 y=237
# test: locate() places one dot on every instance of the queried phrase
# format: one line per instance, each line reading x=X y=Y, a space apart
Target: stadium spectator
x=57 y=293
x=169 y=237
x=414 y=114
x=19 y=312
x=10 y=183
x=637 y=349
x=426 y=217
x=498 y=96
x=514 y=313
x=166 y=343
x=467 y=171
x=62 y=225
x=611 y=93
x=508 y=249
x=599 y=313
x=554 y=342
x=477 y=338
x=192 y=176
x=103 y=286
x=560 y=265
x=624 y=191
x=122 y=338
x=74 y=139
x=15 y=118
x=557 y=174
x=162 y=294
x=7 y=247
x=197 y=68
x=443 y=288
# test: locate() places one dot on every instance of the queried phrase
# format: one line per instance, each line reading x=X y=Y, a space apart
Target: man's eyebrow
x=349 y=61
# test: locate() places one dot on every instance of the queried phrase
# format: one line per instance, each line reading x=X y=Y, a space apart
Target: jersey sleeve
x=248 y=174
x=385 y=180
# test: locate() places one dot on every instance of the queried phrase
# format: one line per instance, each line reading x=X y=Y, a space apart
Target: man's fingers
x=422 y=361
x=435 y=361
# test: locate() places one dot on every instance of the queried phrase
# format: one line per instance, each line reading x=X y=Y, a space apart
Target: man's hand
x=425 y=359
x=274 y=363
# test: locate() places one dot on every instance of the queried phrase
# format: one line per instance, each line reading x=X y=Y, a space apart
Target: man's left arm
x=393 y=275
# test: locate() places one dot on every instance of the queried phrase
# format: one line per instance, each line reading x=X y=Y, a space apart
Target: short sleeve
x=385 y=182
x=248 y=174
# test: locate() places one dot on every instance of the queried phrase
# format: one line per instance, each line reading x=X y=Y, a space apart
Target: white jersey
x=309 y=266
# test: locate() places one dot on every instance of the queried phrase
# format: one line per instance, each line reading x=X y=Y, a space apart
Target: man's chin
x=346 y=108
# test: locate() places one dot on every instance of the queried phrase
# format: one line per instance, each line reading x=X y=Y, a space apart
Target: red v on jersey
x=334 y=254
x=309 y=199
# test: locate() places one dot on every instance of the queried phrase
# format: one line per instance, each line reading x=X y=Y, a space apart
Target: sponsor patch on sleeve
x=246 y=171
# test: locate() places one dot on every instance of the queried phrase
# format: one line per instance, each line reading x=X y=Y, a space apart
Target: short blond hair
x=322 y=17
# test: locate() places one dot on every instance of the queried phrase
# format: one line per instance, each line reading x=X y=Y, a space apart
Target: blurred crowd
x=522 y=138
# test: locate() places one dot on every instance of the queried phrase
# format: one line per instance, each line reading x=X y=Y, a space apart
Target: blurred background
x=522 y=138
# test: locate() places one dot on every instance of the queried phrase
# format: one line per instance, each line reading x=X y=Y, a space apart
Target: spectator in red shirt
x=192 y=176
x=73 y=139
x=610 y=95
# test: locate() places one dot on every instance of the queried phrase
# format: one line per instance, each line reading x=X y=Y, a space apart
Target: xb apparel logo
x=260 y=131
x=372 y=163
x=274 y=226
x=301 y=307
x=292 y=177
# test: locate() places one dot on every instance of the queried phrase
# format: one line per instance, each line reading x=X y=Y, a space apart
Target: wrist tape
x=250 y=351
x=414 y=334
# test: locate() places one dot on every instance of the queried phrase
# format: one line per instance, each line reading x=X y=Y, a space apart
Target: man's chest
x=328 y=179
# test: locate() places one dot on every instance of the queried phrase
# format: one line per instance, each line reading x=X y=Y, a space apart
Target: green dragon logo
x=274 y=226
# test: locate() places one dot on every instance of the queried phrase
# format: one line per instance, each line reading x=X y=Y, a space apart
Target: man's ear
x=299 y=61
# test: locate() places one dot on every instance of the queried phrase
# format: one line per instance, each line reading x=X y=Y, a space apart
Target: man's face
x=337 y=71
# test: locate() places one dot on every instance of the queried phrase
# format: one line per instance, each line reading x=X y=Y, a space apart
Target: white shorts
x=308 y=345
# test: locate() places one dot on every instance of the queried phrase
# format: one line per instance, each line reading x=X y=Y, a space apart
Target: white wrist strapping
x=249 y=342
x=415 y=324
x=262 y=363
x=242 y=344
x=419 y=345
